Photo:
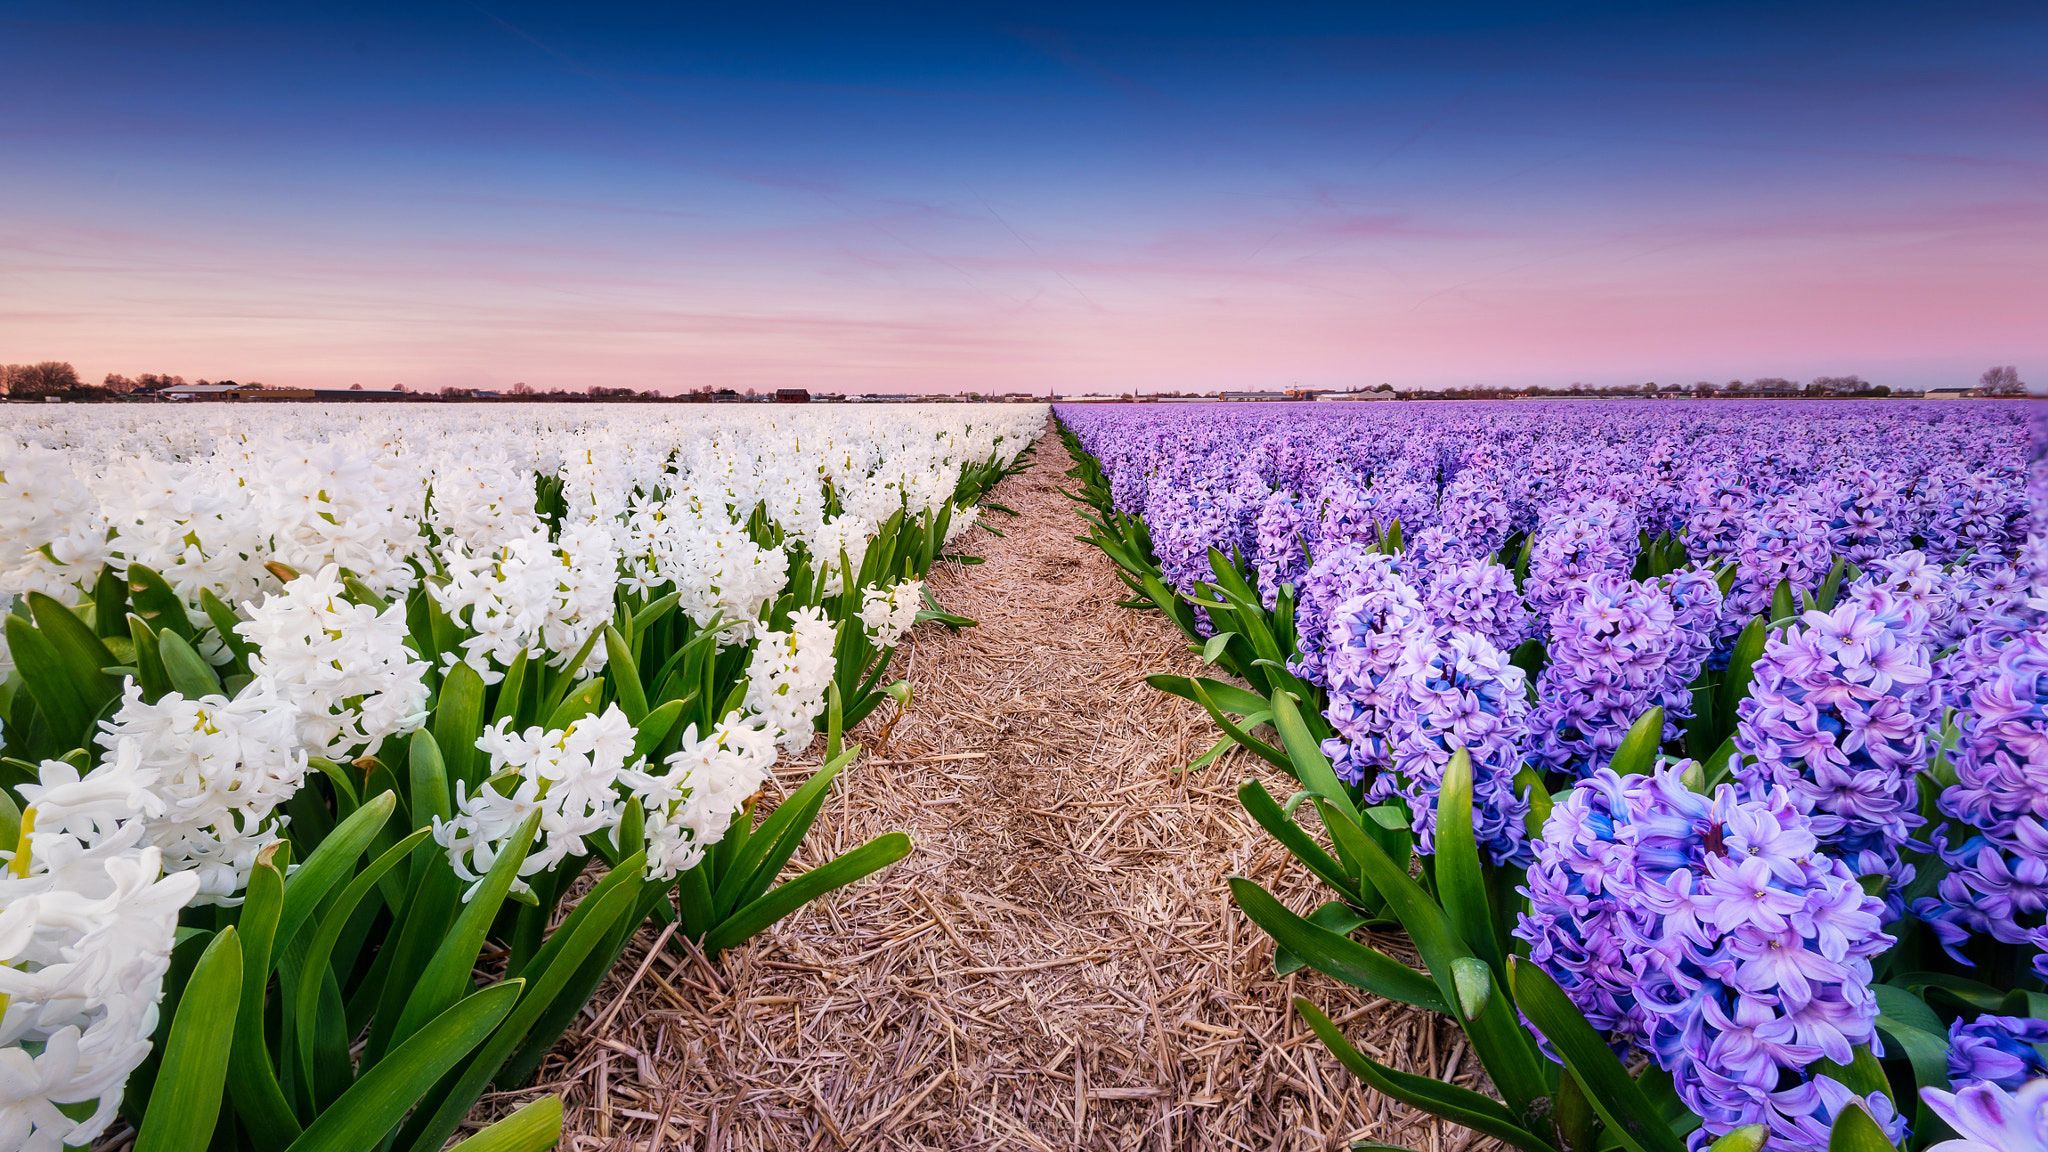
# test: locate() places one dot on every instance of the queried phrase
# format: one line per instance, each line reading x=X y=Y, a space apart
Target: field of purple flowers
x=1700 y=749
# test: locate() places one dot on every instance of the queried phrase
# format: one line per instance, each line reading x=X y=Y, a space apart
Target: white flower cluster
x=890 y=612
x=789 y=676
x=571 y=777
x=691 y=803
x=342 y=666
x=87 y=921
x=218 y=769
x=533 y=595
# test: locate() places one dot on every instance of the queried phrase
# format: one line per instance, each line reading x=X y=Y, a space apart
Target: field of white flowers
x=345 y=751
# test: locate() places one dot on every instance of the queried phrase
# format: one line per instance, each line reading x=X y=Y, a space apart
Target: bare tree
x=2003 y=380
x=118 y=384
x=522 y=388
x=48 y=378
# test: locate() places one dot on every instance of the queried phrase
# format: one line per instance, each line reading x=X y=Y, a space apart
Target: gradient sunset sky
x=1081 y=197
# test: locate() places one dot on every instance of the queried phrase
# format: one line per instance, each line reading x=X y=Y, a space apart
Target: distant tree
x=2003 y=380
x=157 y=382
x=355 y=387
x=1838 y=385
x=522 y=389
x=1650 y=388
x=118 y=384
x=47 y=378
x=402 y=388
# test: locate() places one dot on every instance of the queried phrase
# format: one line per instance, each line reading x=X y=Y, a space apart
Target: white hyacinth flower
x=343 y=666
x=87 y=921
x=220 y=770
x=690 y=803
x=890 y=612
x=570 y=777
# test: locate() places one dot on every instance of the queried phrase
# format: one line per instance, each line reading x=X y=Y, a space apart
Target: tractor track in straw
x=1056 y=966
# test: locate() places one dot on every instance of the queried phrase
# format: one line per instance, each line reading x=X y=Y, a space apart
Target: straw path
x=1056 y=966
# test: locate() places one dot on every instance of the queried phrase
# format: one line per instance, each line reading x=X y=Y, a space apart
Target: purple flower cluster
x=1337 y=574
x=1367 y=637
x=1594 y=538
x=1480 y=596
x=1454 y=690
x=2001 y=1050
x=1617 y=649
x=1838 y=715
x=1280 y=551
x=1712 y=933
x=1996 y=844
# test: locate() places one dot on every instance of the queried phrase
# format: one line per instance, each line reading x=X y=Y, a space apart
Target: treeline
x=59 y=379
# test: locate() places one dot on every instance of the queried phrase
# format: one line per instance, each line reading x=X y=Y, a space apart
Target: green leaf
x=83 y=654
x=1266 y=811
x=1742 y=667
x=1460 y=877
x=1241 y=733
x=252 y=1083
x=427 y=780
x=1310 y=766
x=184 y=1103
x=624 y=674
x=1225 y=696
x=334 y=920
x=838 y=872
x=458 y=721
x=1638 y=752
x=52 y=689
x=334 y=859
x=1461 y=1106
x=189 y=673
x=1855 y=1131
x=1627 y=1112
x=447 y=975
x=1498 y=1039
x=609 y=905
x=1336 y=955
x=1335 y=915
x=1214 y=646
x=757 y=862
x=533 y=1128
x=576 y=705
x=393 y=1086
x=152 y=599
x=1473 y=982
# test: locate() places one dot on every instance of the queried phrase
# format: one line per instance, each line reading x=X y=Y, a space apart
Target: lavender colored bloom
x=1616 y=650
x=1838 y=715
x=2001 y=1050
x=1281 y=550
x=1368 y=636
x=1479 y=596
x=1987 y=1118
x=1996 y=848
x=1336 y=574
x=1596 y=538
x=1711 y=933
x=1784 y=541
x=1455 y=690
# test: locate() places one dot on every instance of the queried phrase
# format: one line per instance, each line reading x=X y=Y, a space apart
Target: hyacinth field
x=344 y=754
x=1561 y=776
x=1698 y=751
